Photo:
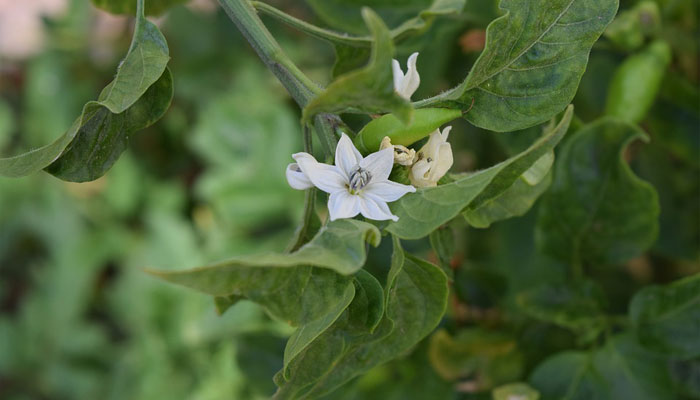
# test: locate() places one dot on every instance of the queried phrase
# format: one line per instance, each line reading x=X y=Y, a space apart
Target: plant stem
x=302 y=233
x=313 y=30
x=299 y=86
x=246 y=19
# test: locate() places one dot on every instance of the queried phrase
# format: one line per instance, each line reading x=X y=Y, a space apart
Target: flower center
x=359 y=178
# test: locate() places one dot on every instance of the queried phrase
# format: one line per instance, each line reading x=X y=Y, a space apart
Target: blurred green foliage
x=79 y=319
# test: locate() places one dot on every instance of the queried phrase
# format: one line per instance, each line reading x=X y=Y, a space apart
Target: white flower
x=356 y=185
x=406 y=85
x=433 y=160
x=297 y=179
x=402 y=154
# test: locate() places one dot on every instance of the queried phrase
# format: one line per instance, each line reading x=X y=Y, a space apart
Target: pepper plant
x=389 y=181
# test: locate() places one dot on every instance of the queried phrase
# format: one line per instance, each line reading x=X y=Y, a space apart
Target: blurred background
x=79 y=319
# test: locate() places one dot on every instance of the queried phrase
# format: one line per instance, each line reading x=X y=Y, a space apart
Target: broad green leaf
x=667 y=318
x=422 y=212
x=103 y=136
x=597 y=210
x=339 y=246
x=443 y=243
x=370 y=89
x=128 y=7
x=513 y=391
x=533 y=61
x=349 y=58
x=316 y=290
x=308 y=275
x=577 y=306
x=415 y=296
x=518 y=199
x=368 y=292
x=137 y=97
x=308 y=298
x=311 y=328
x=619 y=370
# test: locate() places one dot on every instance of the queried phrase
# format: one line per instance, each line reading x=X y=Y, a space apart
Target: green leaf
x=512 y=391
x=470 y=351
x=619 y=370
x=667 y=318
x=309 y=276
x=425 y=18
x=577 y=306
x=597 y=210
x=516 y=200
x=443 y=243
x=316 y=290
x=352 y=52
x=128 y=7
x=533 y=61
x=103 y=136
x=370 y=89
x=422 y=212
x=631 y=27
x=415 y=296
x=346 y=14
x=339 y=246
x=349 y=58
x=319 y=296
x=137 y=97
x=368 y=292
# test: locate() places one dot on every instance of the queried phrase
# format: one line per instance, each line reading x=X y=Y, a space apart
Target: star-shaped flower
x=406 y=85
x=356 y=184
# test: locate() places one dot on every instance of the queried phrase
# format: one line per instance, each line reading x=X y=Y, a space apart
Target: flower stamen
x=359 y=178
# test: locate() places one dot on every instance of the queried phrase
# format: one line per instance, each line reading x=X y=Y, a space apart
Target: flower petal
x=375 y=208
x=430 y=148
x=398 y=74
x=446 y=133
x=411 y=81
x=346 y=155
x=325 y=177
x=443 y=162
x=379 y=164
x=296 y=178
x=419 y=174
x=342 y=204
x=387 y=191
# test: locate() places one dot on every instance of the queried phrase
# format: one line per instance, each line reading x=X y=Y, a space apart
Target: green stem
x=302 y=234
x=447 y=96
x=313 y=30
x=299 y=86
x=246 y=19
x=140 y=9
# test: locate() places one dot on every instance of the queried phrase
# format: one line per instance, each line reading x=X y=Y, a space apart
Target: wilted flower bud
x=433 y=160
x=402 y=154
